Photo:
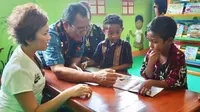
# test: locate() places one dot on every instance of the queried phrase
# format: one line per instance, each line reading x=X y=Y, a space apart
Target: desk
x=115 y=100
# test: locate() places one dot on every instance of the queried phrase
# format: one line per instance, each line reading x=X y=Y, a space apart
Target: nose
x=49 y=37
x=114 y=35
x=150 y=45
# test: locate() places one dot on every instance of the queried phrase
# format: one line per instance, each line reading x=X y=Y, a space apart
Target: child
x=164 y=65
x=113 y=52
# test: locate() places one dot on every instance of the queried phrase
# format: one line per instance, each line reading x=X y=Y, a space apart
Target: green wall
x=54 y=10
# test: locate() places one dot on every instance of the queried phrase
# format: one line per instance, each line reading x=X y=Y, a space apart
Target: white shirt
x=138 y=34
x=20 y=75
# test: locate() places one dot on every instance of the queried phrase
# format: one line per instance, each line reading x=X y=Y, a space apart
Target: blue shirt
x=61 y=48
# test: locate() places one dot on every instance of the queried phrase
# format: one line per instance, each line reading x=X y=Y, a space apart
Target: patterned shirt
x=173 y=71
x=107 y=55
x=61 y=48
x=92 y=39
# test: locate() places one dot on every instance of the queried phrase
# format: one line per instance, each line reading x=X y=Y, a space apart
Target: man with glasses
x=66 y=48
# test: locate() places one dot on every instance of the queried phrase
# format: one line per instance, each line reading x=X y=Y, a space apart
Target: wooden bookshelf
x=183 y=15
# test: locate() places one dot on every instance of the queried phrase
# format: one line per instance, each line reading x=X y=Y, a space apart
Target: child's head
x=138 y=21
x=113 y=27
x=162 y=32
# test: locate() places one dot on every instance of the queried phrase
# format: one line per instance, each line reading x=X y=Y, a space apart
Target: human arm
x=105 y=77
x=50 y=106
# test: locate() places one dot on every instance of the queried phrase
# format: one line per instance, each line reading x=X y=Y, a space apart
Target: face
x=41 y=40
x=79 y=28
x=158 y=44
x=113 y=31
x=138 y=24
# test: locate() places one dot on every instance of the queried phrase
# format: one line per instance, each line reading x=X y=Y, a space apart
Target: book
x=133 y=84
x=191 y=53
x=192 y=8
x=180 y=29
x=175 y=8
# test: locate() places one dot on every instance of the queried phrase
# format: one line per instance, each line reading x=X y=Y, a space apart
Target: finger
x=109 y=70
x=111 y=79
x=145 y=91
x=142 y=91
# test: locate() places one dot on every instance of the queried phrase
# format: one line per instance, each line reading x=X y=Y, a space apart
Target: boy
x=113 y=52
x=164 y=65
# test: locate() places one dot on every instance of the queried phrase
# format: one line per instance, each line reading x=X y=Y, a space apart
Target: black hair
x=69 y=14
x=139 y=17
x=162 y=6
x=164 y=26
x=113 y=19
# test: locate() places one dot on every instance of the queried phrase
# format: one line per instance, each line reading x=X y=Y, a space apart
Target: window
x=97 y=7
x=127 y=7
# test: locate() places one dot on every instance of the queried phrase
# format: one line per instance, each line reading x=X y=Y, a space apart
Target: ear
x=170 y=40
x=65 y=25
x=28 y=42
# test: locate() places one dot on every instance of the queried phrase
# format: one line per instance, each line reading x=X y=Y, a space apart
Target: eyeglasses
x=81 y=29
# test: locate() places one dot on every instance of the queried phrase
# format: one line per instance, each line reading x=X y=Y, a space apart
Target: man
x=65 y=48
x=93 y=36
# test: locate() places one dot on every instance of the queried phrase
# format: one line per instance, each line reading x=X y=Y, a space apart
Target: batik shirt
x=107 y=55
x=173 y=71
x=93 y=37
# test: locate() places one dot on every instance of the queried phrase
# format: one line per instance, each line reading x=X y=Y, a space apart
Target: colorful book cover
x=175 y=8
x=192 y=8
x=191 y=52
x=180 y=29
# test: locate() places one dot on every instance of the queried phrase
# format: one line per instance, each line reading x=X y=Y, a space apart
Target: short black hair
x=164 y=26
x=139 y=17
x=69 y=14
x=162 y=6
x=113 y=19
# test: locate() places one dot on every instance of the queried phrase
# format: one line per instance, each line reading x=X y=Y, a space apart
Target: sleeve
x=53 y=54
x=127 y=54
x=20 y=81
x=98 y=56
x=80 y=50
x=177 y=74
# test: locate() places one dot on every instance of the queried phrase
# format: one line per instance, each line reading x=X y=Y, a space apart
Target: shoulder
x=176 y=55
x=52 y=30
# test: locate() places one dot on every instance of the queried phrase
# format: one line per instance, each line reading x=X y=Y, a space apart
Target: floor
x=192 y=81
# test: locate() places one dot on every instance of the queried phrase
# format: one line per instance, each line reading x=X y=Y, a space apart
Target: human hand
x=76 y=67
x=106 y=77
x=84 y=65
x=153 y=57
x=80 y=90
x=145 y=88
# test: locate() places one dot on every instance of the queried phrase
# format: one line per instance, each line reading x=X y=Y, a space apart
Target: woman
x=23 y=79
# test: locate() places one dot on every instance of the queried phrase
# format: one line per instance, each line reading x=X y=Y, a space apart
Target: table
x=114 y=100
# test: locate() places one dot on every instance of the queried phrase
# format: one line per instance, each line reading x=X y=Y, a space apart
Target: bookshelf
x=186 y=41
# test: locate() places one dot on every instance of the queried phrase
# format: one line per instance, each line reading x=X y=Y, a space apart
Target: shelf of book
x=183 y=15
x=183 y=50
x=187 y=39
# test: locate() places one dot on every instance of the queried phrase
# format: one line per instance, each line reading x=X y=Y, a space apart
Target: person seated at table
x=164 y=65
x=92 y=38
x=113 y=52
x=23 y=79
x=65 y=49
